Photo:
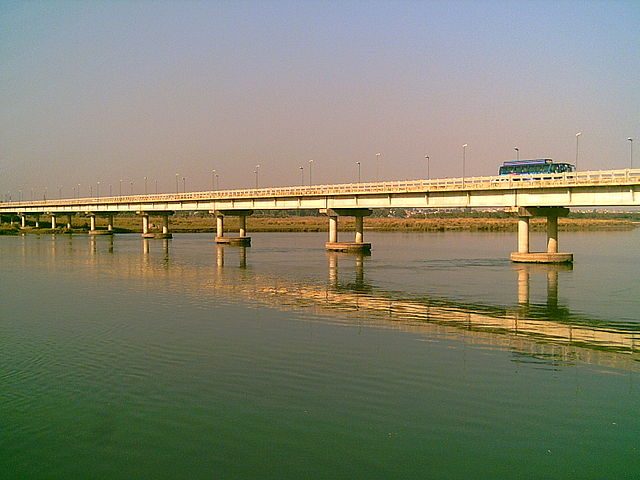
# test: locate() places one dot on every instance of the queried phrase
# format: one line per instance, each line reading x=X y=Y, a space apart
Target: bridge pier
x=53 y=222
x=23 y=221
x=69 y=222
x=164 y=234
x=37 y=223
x=358 y=245
x=110 y=223
x=524 y=255
x=93 y=230
x=242 y=239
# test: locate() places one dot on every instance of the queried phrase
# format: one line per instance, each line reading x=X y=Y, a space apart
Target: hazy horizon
x=104 y=91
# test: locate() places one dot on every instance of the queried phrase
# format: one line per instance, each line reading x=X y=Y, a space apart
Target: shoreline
x=201 y=224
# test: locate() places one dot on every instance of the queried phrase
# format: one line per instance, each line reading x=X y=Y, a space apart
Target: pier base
x=239 y=241
x=541 y=257
x=100 y=232
x=351 y=247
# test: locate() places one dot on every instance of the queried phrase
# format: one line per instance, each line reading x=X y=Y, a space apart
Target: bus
x=533 y=167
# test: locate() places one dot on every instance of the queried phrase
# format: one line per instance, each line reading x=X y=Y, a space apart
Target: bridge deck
x=575 y=189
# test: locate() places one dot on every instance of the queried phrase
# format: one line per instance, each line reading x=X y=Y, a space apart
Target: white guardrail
x=501 y=182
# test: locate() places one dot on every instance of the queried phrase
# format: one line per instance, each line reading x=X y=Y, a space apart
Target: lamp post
x=217 y=181
x=177 y=180
x=131 y=184
x=20 y=195
x=630 y=140
x=145 y=185
x=78 y=190
x=302 y=175
x=310 y=172
x=98 y=190
x=120 y=187
x=378 y=166
x=256 y=173
x=517 y=153
x=156 y=186
x=110 y=190
x=184 y=185
x=358 y=163
x=577 y=149
x=427 y=159
x=464 y=159
x=213 y=179
x=59 y=191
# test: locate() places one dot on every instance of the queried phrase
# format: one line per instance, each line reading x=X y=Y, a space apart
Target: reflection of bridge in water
x=546 y=332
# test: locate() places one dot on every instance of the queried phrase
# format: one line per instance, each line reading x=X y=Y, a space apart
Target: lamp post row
x=215 y=181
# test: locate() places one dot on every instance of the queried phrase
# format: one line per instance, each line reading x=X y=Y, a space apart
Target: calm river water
x=433 y=358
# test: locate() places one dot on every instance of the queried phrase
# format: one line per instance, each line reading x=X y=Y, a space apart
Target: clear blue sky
x=103 y=91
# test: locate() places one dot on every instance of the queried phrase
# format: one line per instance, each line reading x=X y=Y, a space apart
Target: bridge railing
x=501 y=182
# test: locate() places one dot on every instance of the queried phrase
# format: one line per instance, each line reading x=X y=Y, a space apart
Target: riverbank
x=206 y=224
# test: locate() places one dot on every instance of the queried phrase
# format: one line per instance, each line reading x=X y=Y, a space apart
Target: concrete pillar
x=145 y=224
x=110 y=224
x=69 y=222
x=11 y=220
x=23 y=221
x=523 y=234
x=219 y=226
x=242 y=219
x=333 y=229
x=359 y=229
x=552 y=234
x=37 y=221
x=92 y=219
x=165 y=224
x=53 y=222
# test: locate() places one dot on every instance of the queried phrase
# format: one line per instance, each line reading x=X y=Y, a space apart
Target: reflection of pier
x=547 y=331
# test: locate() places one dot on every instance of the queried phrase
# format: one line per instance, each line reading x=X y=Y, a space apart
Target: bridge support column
x=356 y=246
x=524 y=254
x=110 y=224
x=145 y=226
x=92 y=222
x=242 y=239
x=23 y=221
x=68 y=222
x=165 y=234
x=93 y=230
x=523 y=235
x=37 y=224
x=333 y=229
x=53 y=222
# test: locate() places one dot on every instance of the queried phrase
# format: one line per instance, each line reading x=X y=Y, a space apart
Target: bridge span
x=548 y=195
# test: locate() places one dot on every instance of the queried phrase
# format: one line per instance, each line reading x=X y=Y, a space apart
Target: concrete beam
x=346 y=212
x=540 y=211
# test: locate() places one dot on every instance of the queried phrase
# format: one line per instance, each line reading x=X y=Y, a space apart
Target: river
x=435 y=357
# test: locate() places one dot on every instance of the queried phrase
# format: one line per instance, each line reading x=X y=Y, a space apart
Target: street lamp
x=630 y=140
x=78 y=191
x=110 y=190
x=177 y=180
x=131 y=184
x=302 y=175
x=145 y=185
x=213 y=179
x=184 y=185
x=464 y=158
x=98 y=190
x=358 y=163
x=120 y=187
x=378 y=166
x=517 y=153
x=310 y=172
x=217 y=181
x=577 y=149
x=59 y=191
x=427 y=159
x=256 y=172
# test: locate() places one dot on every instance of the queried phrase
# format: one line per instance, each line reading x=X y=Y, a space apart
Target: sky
x=106 y=91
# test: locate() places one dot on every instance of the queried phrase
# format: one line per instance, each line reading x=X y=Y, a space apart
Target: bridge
x=547 y=195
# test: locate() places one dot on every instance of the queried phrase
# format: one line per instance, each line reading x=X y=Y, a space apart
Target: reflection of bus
x=532 y=167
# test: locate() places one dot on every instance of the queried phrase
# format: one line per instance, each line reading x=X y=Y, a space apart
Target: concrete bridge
x=547 y=195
